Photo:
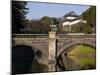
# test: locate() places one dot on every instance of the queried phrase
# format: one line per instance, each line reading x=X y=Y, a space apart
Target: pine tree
x=18 y=15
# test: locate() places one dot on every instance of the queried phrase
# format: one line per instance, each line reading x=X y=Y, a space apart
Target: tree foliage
x=90 y=16
x=46 y=20
x=81 y=28
x=87 y=28
x=40 y=26
x=18 y=15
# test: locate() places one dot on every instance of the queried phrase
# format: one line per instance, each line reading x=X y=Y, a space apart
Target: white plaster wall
x=71 y=18
x=73 y=22
x=66 y=23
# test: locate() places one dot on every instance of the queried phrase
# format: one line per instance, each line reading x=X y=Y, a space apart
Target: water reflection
x=79 y=57
x=84 y=62
x=38 y=67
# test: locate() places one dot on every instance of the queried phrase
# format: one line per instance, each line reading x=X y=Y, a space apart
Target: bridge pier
x=52 y=51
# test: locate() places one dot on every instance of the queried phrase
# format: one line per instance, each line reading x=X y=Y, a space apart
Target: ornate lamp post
x=53 y=27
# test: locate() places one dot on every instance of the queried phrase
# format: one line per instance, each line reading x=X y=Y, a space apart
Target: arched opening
x=25 y=59
x=22 y=57
x=77 y=57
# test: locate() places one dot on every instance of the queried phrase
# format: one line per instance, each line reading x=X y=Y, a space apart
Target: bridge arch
x=22 y=58
x=63 y=49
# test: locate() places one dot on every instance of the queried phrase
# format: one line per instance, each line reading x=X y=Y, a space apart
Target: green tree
x=18 y=15
x=33 y=26
x=45 y=20
x=87 y=29
x=78 y=28
x=90 y=16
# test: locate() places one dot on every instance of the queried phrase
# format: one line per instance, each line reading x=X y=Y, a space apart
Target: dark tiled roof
x=72 y=13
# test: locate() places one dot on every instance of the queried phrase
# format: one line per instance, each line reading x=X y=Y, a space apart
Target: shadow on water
x=68 y=66
x=23 y=58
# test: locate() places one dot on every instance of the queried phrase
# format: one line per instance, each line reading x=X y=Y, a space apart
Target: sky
x=38 y=10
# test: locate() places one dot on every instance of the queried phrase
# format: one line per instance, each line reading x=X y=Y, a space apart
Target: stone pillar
x=52 y=51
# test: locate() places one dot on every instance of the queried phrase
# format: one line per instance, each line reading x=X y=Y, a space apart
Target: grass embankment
x=82 y=49
x=83 y=55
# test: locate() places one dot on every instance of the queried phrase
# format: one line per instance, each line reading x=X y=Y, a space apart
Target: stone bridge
x=66 y=41
x=63 y=41
x=37 y=42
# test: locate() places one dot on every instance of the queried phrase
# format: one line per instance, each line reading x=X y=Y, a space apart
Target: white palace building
x=71 y=19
